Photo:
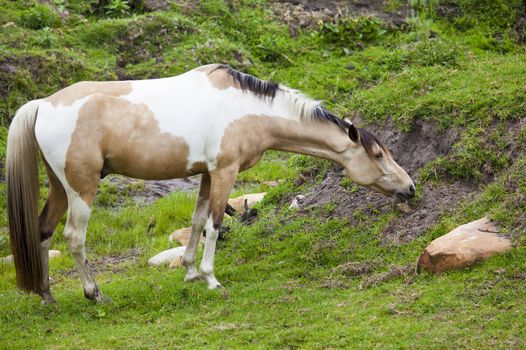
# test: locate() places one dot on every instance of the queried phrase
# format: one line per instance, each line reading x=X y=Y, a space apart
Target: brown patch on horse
x=222 y=77
x=125 y=138
x=69 y=95
x=246 y=139
x=219 y=78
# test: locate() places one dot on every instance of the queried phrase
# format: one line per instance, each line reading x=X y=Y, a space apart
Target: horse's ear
x=354 y=135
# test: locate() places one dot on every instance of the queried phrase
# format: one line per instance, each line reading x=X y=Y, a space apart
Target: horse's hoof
x=97 y=297
x=214 y=285
x=194 y=276
x=47 y=298
x=212 y=282
x=102 y=299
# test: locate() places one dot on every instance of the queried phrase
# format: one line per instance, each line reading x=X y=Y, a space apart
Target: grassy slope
x=274 y=272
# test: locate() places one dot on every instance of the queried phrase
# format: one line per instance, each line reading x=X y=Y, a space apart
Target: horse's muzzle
x=406 y=195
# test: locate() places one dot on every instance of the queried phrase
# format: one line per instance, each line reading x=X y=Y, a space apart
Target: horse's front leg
x=198 y=223
x=222 y=181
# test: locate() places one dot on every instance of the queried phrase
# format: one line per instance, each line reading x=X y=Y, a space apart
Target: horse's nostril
x=412 y=190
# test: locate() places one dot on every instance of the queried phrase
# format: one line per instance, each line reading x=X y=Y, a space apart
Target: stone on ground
x=297 y=201
x=182 y=236
x=176 y=262
x=252 y=199
x=464 y=246
x=52 y=254
x=167 y=256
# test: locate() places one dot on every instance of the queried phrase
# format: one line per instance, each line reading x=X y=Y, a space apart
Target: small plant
x=117 y=8
x=38 y=17
x=45 y=39
x=352 y=32
x=273 y=49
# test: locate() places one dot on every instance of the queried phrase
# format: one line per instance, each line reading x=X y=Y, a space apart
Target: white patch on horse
x=189 y=106
x=207 y=263
x=53 y=130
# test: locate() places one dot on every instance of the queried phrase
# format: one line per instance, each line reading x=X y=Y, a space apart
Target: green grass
x=282 y=284
x=273 y=275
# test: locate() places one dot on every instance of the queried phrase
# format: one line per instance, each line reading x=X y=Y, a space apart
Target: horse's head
x=370 y=164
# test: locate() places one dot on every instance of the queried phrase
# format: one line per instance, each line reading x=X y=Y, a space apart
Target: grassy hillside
x=441 y=82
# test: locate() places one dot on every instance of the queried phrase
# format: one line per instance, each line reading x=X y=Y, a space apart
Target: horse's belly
x=149 y=161
x=141 y=150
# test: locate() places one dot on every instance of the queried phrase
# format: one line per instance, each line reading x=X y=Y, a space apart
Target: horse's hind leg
x=75 y=233
x=81 y=192
x=198 y=223
x=53 y=211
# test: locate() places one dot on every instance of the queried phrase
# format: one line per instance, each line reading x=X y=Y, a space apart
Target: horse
x=212 y=120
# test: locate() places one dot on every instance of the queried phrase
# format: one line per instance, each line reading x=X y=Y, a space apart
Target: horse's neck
x=318 y=139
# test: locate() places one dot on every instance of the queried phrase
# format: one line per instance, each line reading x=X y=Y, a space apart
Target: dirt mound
x=308 y=13
x=415 y=148
x=360 y=205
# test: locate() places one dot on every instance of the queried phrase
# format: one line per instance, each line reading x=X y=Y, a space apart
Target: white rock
x=176 y=262
x=182 y=236
x=252 y=199
x=52 y=254
x=166 y=256
x=464 y=246
x=7 y=259
x=296 y=201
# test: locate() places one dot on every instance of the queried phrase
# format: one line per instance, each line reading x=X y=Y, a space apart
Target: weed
x=352 y=33
x=39 y=16
x=117 y=8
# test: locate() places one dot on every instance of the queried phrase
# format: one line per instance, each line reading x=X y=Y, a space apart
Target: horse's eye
x=379 y=155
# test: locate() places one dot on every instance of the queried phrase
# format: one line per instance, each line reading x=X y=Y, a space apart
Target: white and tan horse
x=213 y=121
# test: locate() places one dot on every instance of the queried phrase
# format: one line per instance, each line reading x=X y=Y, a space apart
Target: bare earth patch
x=412 y=150
x=112 y=263
x=308 y=13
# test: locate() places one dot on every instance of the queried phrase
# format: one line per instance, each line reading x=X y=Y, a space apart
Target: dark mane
x=368 y=141
x=260 y=88
x=268 y=89
x=320 y=113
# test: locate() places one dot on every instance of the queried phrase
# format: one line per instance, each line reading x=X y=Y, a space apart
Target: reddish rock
x=464 y=246
x=251 y=199
x=176 y=262
x=182 y=236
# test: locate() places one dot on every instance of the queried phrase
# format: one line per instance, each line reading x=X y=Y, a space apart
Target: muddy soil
x=112 y=263
x=412 y=150
x=308 y=13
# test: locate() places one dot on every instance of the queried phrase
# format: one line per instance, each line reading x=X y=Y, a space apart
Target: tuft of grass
x=39 y=16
